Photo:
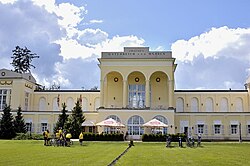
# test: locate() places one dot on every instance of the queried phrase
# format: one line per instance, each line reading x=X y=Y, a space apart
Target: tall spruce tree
x=74 y=124
x=22 y=58
x=19 y=124
x=7 y=129
x=62 y=118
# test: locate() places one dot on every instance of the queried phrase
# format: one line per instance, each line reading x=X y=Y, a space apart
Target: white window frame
x=3 y=98
x=44 y=126
x=217 y=129
x=234 y=129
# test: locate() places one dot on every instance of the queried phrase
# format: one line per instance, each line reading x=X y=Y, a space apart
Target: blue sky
x=209 y=39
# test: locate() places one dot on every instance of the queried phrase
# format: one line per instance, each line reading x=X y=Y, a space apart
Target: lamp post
x=240 y=140
x=30 y=128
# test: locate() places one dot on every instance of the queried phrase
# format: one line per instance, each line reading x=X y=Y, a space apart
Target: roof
x=213 y=90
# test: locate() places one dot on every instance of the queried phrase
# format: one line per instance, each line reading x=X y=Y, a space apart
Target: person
x=81 y=138
x=126 y=136
x=180 y=142
x=168 y=141
x=45 y=137
x=68 y=136
x=199 y=140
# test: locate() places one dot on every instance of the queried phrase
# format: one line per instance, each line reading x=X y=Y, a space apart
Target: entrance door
x=186 y=131
x=134 y=127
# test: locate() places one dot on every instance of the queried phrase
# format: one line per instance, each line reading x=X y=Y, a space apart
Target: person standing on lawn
x=81 y=138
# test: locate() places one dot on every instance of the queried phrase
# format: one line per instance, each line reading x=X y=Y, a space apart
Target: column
x=105 y=92
x=171 y=94
x=147 y=94
x=102 y=93
x=125 y=94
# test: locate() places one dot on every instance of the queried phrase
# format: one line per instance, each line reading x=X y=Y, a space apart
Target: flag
x=58 y=100
x=80 y=100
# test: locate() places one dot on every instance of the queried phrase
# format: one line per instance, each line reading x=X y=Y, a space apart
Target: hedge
x=102 y=137
x=162 y=138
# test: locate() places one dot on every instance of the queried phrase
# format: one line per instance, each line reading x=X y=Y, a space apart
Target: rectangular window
x=3 y=98
x=26 y=101
x=44 y=126
x=217 y=129
x=248 y=129
x=136 y=96
x=90 y=129
x=28 y=127
x=234 y=129
x=200 y=128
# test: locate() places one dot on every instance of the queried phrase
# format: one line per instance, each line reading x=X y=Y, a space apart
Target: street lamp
x=240 y=133
x=30 y=128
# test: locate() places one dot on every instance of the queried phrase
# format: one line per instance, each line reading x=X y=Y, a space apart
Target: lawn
x=16 y=152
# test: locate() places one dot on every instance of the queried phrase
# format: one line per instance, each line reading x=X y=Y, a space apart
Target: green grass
x=16 y=152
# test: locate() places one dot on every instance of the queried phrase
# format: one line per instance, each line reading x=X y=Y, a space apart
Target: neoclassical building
x=136 y=85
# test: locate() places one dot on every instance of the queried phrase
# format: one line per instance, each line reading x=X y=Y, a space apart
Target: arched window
x=239 y=105
x=224 y=105
x=55 y=104
x=84 y=104
x=70 y=104
x=134 y=125
x=111 y=129
x=42 y=104
x=179 y=105
x=97 y=103
x=209 y=104
x=163 y=120
x=194 y=105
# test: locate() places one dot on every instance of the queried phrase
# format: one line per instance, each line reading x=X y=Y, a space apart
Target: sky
x=210 y=39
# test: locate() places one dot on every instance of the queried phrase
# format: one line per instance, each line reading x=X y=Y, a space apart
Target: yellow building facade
x=136 y=85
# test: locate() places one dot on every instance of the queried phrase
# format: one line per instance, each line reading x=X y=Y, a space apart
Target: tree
x=22 y=58
x=75 y=121
x=7 y=129
x=62 y=118
x=19 y=124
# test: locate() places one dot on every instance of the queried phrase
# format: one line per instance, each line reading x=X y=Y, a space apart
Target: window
x=134 y=125
x=217 y=129
x=90 y=129
x=26 y=101
x=163 y=120
x=248 y=129
x=194 y=105
x=137 y=96
x=3 y=98
x=234 y=129
x=44 y=126
x=200 y=128
x=28 y=126
x=179 y=105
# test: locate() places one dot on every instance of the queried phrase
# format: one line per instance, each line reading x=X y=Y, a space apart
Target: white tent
x=154 y=123
x=88 y=123
x=110 y=123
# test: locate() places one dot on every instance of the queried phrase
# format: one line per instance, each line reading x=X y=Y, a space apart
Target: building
x=136 y=85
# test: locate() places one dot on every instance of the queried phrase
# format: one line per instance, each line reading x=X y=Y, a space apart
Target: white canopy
x=88 y=123
x=110 y=123
x=154 y=123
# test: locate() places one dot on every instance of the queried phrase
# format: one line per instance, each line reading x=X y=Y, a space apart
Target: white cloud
x=96 y=21
x=216 y=59
x=212 y=43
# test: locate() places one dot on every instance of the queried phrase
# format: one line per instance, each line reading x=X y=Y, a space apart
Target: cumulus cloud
x=51 y=30
x=218 y=58
x=33 y=27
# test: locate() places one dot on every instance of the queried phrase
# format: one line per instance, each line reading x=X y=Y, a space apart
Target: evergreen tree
x=74 y=124
x=7 y=129
x=22 y=58
x=19 y=124
x=62 y=118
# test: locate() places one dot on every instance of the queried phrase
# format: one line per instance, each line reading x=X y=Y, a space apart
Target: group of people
x=61 y=138
x=190 y=141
